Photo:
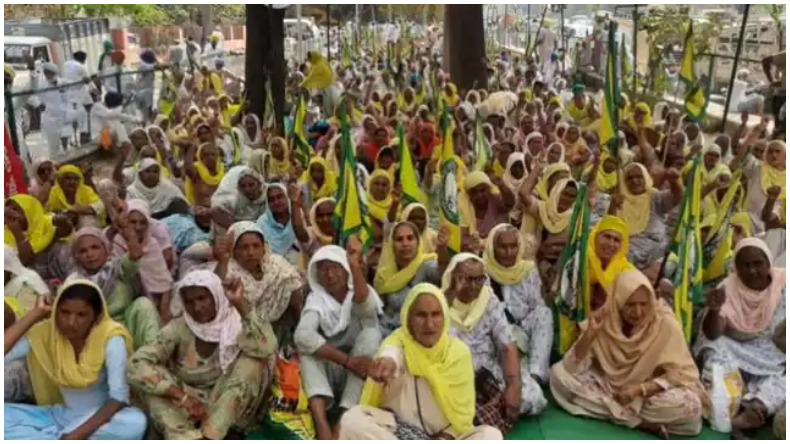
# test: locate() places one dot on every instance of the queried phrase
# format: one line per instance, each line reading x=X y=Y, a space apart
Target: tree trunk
x=265 y=60
x=464 y=45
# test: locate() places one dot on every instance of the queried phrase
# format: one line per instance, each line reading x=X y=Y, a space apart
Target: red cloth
x=14 y=177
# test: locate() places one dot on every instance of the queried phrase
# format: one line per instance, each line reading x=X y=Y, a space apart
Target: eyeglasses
x=474 y=280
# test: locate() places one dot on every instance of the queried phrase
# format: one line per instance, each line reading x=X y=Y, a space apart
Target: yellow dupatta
x=598 y=274
x=773 y=177
x=40 y=231
x=647 y=120
x=389 y=279
x=52 y=361
x=13 y=304
x=428 y=236
x=635 y=211
x=320 y=75
x=323 y=238
x=378 y=209
x=603 y=180
x=465 y=316
x=280 y=168
x=57 y=202
x=453 y=98
x=447 y=366
x=550 y=218
x=329 y=187
x=542 y=188
x=206 y=177
x=465 y=208
x=506 y=275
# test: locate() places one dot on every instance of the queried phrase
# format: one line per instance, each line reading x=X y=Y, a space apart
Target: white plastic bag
x=726 y=392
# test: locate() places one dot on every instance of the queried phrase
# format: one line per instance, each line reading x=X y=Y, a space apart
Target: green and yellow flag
x=351 y=212
x=448 y=188
x=695 y=97
x=687 y=245
x=412 y=191
x=302 y=150
x=610 y=119
x=572 y=299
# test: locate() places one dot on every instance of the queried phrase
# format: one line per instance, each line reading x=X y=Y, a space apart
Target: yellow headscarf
x=389 y=279
x=205 y=175
x=597 y=273
x=428 y=235
x=465 y=207
x=773 y=177
x=453 y=98
x=40 y=230
x=57 y=199
x=647 y=120
x=635 y=210
x=710 y=176
x=506 y=275
x=52 y=362
x=603 y=180
x=280 y=168
x=466 y=316
x=13 y=304
x=542 y=188
x=447 y=366
x=378 y=208
x=329 y=187
x=393 y=168
x=320 y=75
x=550 y=218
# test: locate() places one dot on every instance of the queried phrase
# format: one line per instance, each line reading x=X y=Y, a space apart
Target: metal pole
x=738 y=50
x=299 y=47
x=529 y=31
x=636 y=31
x=328 y=39
x=562 y=37
x=356 y=27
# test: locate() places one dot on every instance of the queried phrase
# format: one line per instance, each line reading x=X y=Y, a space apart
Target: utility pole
x=738 y=50
x=206 y=21
x=299 y=47
x=356 y=27
x=328 y=38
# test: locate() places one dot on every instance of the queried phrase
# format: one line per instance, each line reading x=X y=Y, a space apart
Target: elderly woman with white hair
x=338 y=333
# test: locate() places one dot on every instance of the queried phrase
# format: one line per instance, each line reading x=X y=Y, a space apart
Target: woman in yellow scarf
x=27 y=227
x=640 y=118
x=607 y=256
x=417 y=214
x=516 y=282
x=422 y=364
x=606 y=178
x=635 y=210
x=320 y=75
x=712 y=166
x=385 y=160
x=402 y=265
x=71 y=194
x=772 y=173
x=280 y=160
x=450 y=95
x=379 y=196
x=555 y=213
x=319 y=179
x=551 y=175
x=204 y=174
x=76 y=353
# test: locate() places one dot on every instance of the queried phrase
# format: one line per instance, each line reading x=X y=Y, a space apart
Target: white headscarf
x=335 y=317
x=245 y=137
x=224 y=329
x=229 y=197
x=160 y=196
x=513 y=183
x=22 y=276
x=162 y=132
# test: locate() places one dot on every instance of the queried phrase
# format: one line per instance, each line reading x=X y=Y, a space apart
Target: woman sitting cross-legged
x=504 y=388
x=77 y=362
x=631 y=365
x=208 y=370
x=740 y=321
x=421 y=384
x=338 y=333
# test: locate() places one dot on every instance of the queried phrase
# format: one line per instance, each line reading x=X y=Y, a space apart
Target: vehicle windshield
x=16 y=54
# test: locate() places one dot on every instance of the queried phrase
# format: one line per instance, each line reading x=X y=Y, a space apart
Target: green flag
x=302 y=150
x=695 y=102
x=610 y=119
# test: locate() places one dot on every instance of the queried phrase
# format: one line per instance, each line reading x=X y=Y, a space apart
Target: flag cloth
x=268 y=111
x=610 y=121
x=14 y=176
x=625 y=65
x=481 y=147
x=687 y=245
x=301 y=148
x=410 y=184
x=351 y=213
x=572 y=300
x=448 y=188
x=695 y=102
